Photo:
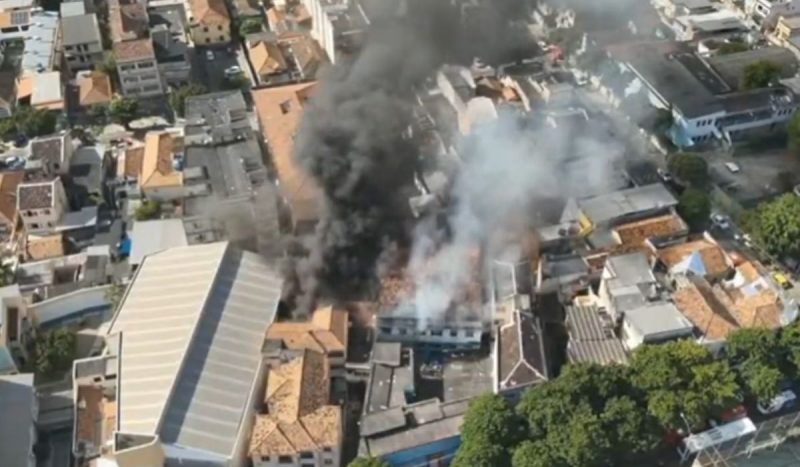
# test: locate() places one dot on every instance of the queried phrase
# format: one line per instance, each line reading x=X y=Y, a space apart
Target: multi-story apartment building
x=80 y=38
x=137 y=68
x=210 y=23
x=41 y=205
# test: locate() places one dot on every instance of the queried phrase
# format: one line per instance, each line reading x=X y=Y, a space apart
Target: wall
x=73 y=305
x=420 y=455
x=211 y=33
x=91 y=53
x=164 y=194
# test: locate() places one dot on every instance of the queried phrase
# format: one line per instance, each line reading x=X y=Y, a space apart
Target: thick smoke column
x=351 y=139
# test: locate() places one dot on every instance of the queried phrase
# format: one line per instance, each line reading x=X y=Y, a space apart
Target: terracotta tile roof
x=210 y=11
x=697 y=301
x=267 y=58
x=280 y=110
x=94 y=88
x=132 y=164
x=299 y=417
x=714 y=257
x=326 y=332
x=635 y=233
x=34 y=195
x=306 y=51
x=748 y=270
x=138 y=49
x=9 y=181
x=157 y=169
x=51 y=246
x=127 y=21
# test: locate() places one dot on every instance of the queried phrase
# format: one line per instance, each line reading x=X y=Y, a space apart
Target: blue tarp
x=125 y=247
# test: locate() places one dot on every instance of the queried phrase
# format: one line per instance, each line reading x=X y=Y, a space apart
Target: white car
x=233 y=70
x=664 y=175
x=209 y=55
x=783 y=400
x=720 y=221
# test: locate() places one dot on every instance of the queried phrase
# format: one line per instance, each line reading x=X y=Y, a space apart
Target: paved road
x=211 y=73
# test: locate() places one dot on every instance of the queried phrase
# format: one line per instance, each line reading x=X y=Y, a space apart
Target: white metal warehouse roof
x=192 y=324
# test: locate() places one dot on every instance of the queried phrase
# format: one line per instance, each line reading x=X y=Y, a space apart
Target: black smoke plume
x=353 y=138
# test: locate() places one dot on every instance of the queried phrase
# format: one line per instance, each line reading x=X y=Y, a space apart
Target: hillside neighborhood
x=399 y=233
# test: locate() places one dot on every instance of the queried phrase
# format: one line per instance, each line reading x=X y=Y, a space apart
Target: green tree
x=98 y=112
x=8 y=128
x=793 y=132
x=7 y=275
x=490 y=429
x=758 y=355
x=695 y=207
x=732 y=48
x=178 y=96
x=32 y=122
x=148 y=210
x=536 y=454
x=108 y=66
x=367 y=462
x=54 y=352
x=777 y=225
x=123 y=109
x=681 y=379
x=250 y=26
x=689 y=168
x=760 y=74
x=239 y=81
x=761 y=381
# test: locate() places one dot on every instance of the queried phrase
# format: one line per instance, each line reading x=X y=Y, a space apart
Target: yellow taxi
x=782 y=280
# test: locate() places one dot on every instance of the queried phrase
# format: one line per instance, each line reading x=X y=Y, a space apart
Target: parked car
x=720 y=221
x=782 y=280
x=209 y=55
x=233 y=70
x=733 y=167
x=665 y=176
x=786 y=399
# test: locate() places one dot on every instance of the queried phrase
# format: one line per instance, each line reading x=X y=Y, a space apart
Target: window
x=286 y=106
x=46 y=212
x=208 y=40
x=34 y=225
x=221 y=38
x=219 y=28
x=145 y=65
x=285 y=460
x=67 y=47
x=327 y=449
x=328 y=462
x=306 y=455
x=205 y=29
x=264 y=458
x=436 y=333
x=469 y=333
x=29 y=213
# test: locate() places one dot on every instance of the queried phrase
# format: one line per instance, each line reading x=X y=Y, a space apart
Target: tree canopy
x=490 y=429
x=178 y=97
x=682 y=380
x=54 y=352
x=250 y=26
x=695 y=207
x=123 y=109
x=29 y=122
x=776 y=225
x=758 y=355
x=760 y=74
x=689 y=168
x=148 y=210
x=732 y=47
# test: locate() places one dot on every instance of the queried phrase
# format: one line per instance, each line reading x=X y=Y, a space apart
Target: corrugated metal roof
x=192 y=325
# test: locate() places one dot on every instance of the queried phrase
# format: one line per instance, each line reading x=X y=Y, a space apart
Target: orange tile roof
x=714 y=257
x=748 y=270
x=326 y=332
x=280 y=110
x=51 y=246
x=9 y=181
x=267 y=58
x=700 y=305
x=299 y=416
x=94 y=88
x=132 y=166
x=210 y=11
x=138 y=49
x=157 y=170
x=25 y=85
x=635 y=233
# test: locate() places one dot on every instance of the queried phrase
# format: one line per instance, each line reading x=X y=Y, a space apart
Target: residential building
x=16 y=330
x=94 y=419
x=592 y=337
x=704 y=94
x=654 y=323
x=127 y=20
x=247 y=9
x=406 y=420
x=217 y=118
x=719 y=23
x=160 y=179
x=81 y=41
x=337 y=25
x=787 y=27
x=596 y=216
x=20 y=408
x=519 y=359
x=325 y=333
x=287 y=57
x=37 y=248
x=41 y=205
x=280 y=110
x=299 y=426
x=627 y=283
x=210 y=23
x=42 y=90
x=39 y=32
x=9 y=181
x=148 y=237
x=61 y=276
x=170 y=377
x=267 y=59
x=168 y=31
x=137 y=68
x=704 y=258
x=94 y=88
x=673 y=8
x=766 y=12
x=50 y=155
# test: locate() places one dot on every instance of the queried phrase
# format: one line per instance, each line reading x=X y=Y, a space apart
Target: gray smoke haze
x=508 y=167
x=352 y=135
